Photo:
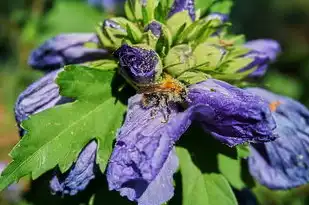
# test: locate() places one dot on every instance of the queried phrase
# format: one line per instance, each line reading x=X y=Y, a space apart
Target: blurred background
x=24 y=24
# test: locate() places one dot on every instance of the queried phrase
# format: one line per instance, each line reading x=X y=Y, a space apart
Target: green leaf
x=243 y=151
x=105 y=64
x=222 y=6
x=56 y=136
x=202 y=189
x=231 y=169
x=220 y=190
x=193 y=184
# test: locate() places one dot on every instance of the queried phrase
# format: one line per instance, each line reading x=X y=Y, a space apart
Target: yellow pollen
x=274 y=105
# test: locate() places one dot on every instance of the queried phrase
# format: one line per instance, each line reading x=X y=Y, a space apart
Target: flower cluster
x=143 y=160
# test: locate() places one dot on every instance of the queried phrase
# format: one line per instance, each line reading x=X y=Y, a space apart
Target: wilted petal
x=39 y=96
x=230 y=114
x=79 y=175
x=42 y=95
x=182 y=5
x=138 y=64
x=66 y=49
x=263 y=51
x=283 y=163
x=142 y=163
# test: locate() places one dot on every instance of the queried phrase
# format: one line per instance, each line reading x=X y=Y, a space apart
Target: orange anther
x=274 y=105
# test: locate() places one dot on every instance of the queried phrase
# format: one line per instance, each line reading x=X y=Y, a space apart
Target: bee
x=161 y=94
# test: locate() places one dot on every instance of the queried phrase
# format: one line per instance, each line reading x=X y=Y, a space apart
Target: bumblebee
x=161 y=94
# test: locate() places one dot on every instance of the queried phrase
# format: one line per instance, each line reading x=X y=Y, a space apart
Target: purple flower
x=138 y=64
x=81 y=173
x=155 y=28
x=263 y=51
x=230 y=114
x=143 y=161
x=182 y=5
x=42 y=95
x=141 y=156
x=283 y=163
x=66 y=49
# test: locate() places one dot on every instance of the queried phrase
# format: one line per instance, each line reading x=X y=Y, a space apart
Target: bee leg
x=165 y=109
x=153 y=113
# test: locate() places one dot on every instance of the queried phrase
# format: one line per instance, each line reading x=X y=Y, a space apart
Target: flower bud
x=138 y=65
x=182 y=5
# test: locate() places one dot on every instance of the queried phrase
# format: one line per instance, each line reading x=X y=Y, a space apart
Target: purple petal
x=80 y=174
x=65 y=49
x=218 y=16
x=138 y=64
x=182 y=5
x=142 y=163
x=108 y=23
x=263 y=51
x=283 y=163
x=155 y=28
x=39 y=96
x=260 y=63
x=230 y=114
x=42 y=95
x=269 y=47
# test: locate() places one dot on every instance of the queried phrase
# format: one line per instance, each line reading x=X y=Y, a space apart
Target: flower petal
x=218 y=16
x=138 y=64
x=65 y=49
x=230 y=114
x=263 y=51
x=283 y=163
x=182 y=5
x=80 y=174
x=155 y=28
x=39 y=96
x=142 y=163
x=269 y=47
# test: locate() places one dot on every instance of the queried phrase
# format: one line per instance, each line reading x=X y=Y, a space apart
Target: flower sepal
x=112 y=32
x=158 y=37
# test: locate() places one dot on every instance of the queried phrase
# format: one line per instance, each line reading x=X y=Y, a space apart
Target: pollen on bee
x=274 y=105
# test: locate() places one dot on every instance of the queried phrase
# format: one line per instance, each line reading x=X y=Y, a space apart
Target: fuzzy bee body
x=161 y=94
